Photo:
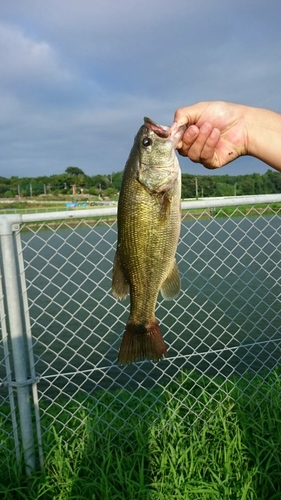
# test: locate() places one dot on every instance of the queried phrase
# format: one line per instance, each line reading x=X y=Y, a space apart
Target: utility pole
x=196 y=187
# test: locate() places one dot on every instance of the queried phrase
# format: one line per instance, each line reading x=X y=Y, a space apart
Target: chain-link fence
x=61 y=326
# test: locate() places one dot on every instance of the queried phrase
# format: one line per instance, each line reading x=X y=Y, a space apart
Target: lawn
x=205 y=439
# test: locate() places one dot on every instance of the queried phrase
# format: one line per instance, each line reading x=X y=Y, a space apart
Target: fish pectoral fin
x=120 y=286
x=172 y=284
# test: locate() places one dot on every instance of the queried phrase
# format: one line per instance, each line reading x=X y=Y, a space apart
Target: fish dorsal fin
x=171 y=286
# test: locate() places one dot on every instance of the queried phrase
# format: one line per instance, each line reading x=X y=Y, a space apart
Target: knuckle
x=194 y=157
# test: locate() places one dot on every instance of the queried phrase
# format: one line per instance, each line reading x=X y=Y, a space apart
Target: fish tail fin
x=141 y=342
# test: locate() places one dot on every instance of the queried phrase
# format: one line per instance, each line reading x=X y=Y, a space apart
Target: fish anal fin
x=141 y=342
x=120 y=286
x=171 y=286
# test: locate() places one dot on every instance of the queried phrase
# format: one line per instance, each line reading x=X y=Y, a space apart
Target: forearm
x=264 y=135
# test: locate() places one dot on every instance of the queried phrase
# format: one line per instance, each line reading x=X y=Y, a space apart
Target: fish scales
x=148 y=232
x=149 y=245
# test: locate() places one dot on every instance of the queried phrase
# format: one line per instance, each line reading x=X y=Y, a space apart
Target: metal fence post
x=30 y=347
x=7 y=382
x=7 y=225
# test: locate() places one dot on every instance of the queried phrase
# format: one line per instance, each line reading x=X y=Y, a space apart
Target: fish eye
x=146 y=142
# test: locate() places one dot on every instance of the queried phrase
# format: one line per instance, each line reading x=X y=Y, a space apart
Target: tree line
x=74 y=181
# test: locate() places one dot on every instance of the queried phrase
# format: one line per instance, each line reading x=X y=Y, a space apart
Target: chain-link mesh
x=225 y=322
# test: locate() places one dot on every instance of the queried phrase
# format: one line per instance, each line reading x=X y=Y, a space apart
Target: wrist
x=263 y=135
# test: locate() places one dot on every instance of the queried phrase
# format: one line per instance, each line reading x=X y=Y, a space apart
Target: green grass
x=195 y=439
x=248 y=210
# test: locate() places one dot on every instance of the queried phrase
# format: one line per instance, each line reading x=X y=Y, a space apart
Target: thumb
x=190 y=114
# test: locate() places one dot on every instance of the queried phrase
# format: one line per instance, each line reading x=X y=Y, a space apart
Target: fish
x=148 y=223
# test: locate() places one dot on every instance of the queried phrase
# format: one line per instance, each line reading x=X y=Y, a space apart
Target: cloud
x=77 y=77
x=28 y=60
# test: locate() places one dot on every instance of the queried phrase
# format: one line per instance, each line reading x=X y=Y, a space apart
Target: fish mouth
x=160 y=130
x=174 y=133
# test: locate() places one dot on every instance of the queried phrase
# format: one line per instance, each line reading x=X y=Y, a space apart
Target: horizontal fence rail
x=61 y=326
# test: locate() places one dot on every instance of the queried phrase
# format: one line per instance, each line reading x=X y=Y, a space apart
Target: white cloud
x=77 y=77
x=27 y=60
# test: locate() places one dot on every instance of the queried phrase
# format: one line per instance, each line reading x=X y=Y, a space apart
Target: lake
x=226 y=320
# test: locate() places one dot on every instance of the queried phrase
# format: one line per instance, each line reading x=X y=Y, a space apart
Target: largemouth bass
x=149 y=216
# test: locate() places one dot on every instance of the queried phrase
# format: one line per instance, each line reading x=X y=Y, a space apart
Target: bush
x=8 y=194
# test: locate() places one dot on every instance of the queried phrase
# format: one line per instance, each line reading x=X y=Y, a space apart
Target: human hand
x=216 y=133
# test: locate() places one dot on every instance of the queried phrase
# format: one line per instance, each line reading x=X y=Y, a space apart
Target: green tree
x=117 y=179
x=272 y=180
x=74 y=171
x=247 y=184
x=94 y=191
x=224 y=189
x=208 y=184
x=188 y=186
x=100 y=181
x=110 y=192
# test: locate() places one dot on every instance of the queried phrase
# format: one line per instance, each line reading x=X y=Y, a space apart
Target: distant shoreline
x=249 y=211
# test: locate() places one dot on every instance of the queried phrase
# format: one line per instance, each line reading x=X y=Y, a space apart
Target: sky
x=78 y=76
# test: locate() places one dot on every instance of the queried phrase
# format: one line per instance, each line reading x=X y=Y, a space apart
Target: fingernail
x=192 y=131
x=205 y=127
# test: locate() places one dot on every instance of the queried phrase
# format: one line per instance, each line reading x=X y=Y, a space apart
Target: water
x=226 y=319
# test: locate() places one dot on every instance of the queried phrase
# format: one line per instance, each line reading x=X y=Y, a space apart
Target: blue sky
x=78 y=76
